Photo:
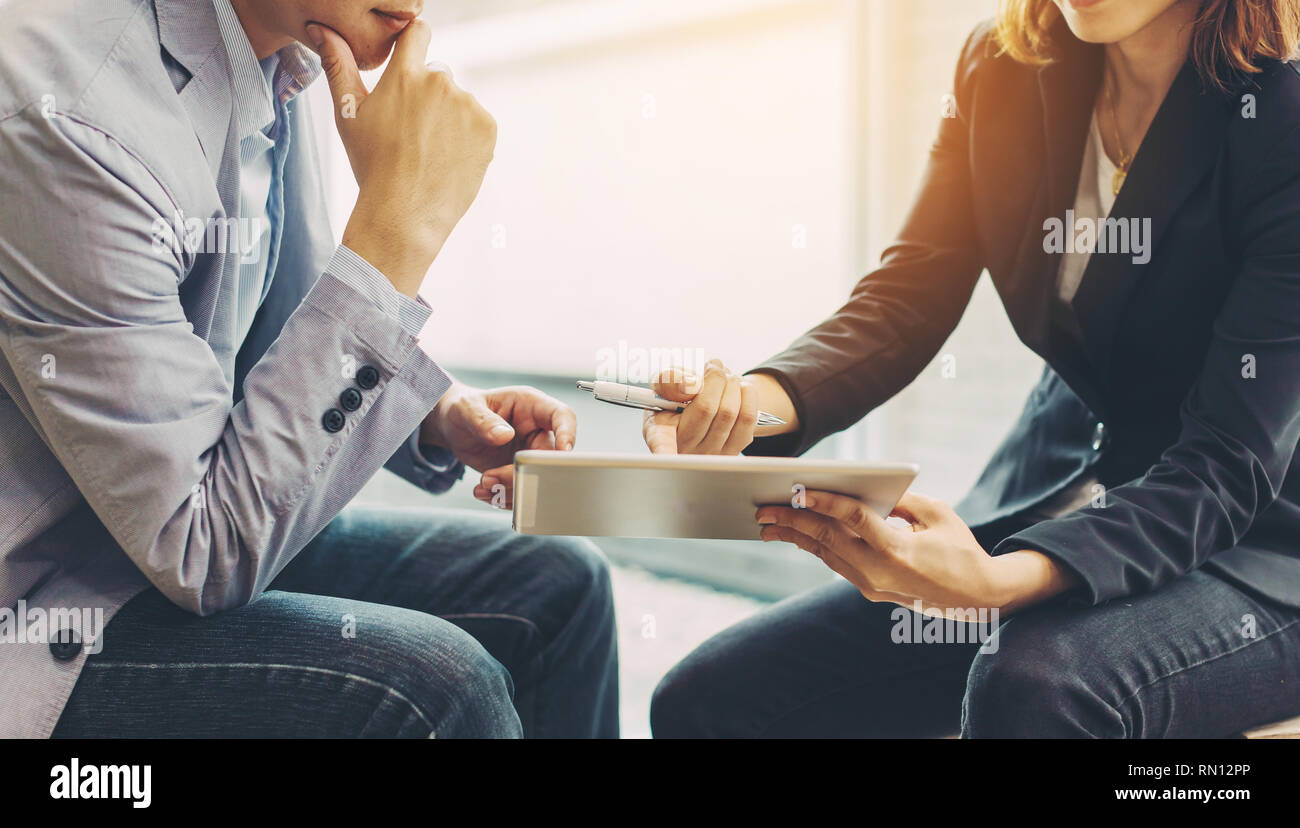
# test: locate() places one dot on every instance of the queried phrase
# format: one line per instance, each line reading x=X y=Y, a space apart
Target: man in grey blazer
x=195 y=381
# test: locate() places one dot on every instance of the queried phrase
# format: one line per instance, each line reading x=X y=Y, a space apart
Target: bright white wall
x=707 y=174
x=682 y=179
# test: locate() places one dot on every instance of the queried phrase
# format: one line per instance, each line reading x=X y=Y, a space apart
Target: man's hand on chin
x=485 y=429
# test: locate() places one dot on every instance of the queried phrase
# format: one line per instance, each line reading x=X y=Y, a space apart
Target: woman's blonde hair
x=1229 y=37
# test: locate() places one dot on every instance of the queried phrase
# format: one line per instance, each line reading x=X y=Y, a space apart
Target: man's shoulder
x=93 y=73
x=55 y=50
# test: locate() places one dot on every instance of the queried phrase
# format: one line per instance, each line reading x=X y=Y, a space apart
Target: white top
x=1094 y=199
x=255 y=110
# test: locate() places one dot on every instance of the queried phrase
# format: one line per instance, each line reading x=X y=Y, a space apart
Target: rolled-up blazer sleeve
x=210 y=499
x=1240 y=422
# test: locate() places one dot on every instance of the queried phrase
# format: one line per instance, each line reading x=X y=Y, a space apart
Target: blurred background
x=677 y=180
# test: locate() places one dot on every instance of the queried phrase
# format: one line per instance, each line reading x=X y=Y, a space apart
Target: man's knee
x=575 y=577
x=1035 y=685
x=402 y=673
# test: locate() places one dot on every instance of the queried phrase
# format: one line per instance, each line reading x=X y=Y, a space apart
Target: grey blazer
x=139 y=443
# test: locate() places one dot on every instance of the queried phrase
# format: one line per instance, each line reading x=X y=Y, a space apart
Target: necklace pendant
x=1117 y=181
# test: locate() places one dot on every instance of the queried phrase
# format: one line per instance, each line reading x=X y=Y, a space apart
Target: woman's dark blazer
x=1183 y=396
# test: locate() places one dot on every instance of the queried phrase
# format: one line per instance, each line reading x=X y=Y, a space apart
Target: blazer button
x=65 y=644
x=333 y=420
x=367 y=377
x=1099 y=437
x=350 y=399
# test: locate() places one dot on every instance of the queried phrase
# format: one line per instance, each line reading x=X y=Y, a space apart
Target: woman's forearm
x=771 y=397
x=1026 y=577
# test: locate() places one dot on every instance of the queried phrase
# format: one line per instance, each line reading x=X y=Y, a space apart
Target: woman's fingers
x=742 y=433
x=676 y=384
x=835 y=562
x=659 y=428
x=723 y=419
x=697 y=419
x=856 y=515
x=825 y=530
x=920 y=510
x=720 y=419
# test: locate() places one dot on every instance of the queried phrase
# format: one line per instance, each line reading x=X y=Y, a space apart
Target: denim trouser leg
x=389 y=623
x=1197 y=658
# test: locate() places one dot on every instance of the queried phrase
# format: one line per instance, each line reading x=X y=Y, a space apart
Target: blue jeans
x=1197 y=658
x=390 y=623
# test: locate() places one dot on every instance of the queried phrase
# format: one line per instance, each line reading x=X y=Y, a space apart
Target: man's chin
x=371 y=59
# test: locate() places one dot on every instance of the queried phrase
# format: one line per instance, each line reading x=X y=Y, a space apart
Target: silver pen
x=633 y=396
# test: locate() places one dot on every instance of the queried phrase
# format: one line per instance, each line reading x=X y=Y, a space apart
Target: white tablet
x=684 y=496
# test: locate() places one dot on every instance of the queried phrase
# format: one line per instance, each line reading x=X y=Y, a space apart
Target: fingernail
x=489 y=482
x=317 y=35
x=766 y=520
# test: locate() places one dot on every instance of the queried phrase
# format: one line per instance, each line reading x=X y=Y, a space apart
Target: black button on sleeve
x=333 y=420
x=65 y=644
x=350 y=399
x=367 y=377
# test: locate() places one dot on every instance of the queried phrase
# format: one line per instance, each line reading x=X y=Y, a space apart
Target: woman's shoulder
x=982 y=60
x=1265 y=112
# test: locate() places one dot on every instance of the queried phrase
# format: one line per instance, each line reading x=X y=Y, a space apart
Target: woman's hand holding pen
x=723 y=413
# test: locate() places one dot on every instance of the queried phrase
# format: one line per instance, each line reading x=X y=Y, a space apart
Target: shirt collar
x=256 y=100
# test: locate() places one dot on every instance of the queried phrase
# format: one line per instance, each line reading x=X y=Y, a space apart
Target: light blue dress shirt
x=262 y=91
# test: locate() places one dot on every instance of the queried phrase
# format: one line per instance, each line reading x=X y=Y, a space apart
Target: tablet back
x=684 y=496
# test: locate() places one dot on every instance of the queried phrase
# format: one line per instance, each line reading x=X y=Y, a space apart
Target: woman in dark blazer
x=1128 y=172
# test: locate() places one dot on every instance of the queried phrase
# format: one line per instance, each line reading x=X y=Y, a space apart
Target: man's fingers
x=497 y=487
x=412 y=48
x=340 y=67
x=491 y=426
x=564 y=423
x=533 y=410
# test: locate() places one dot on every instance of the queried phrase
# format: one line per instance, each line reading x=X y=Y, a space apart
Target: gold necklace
x=1121 y=168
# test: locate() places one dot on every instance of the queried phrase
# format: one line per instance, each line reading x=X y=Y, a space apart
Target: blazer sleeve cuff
x=1101 y=577
x=431 y=468
x=782 y=445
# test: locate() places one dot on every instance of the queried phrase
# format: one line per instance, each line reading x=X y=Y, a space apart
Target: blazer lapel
x=1067 y=88
x=189 y=31
x=1179 y=148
